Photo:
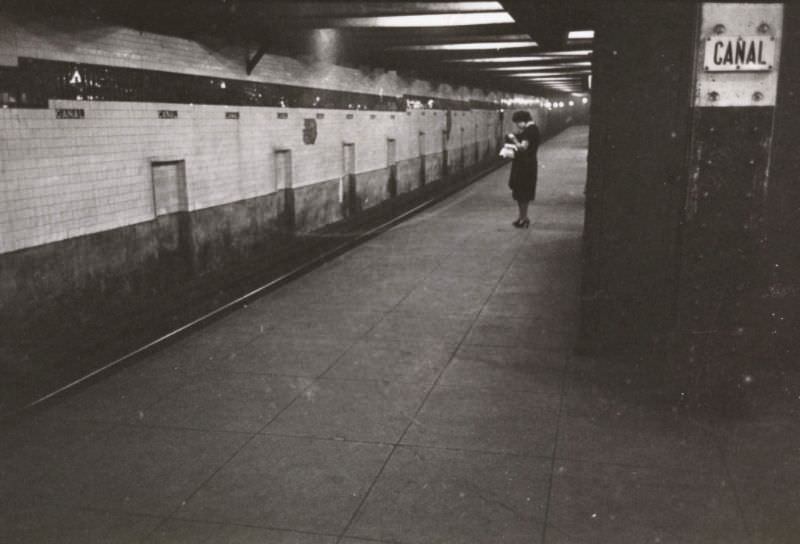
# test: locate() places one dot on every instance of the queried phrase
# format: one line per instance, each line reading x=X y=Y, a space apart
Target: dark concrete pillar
x=722 y=326
x=690 y=254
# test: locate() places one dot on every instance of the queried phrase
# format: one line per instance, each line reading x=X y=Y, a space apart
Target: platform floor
x=420 y=389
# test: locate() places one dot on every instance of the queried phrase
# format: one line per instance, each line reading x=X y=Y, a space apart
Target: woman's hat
x=521 y=116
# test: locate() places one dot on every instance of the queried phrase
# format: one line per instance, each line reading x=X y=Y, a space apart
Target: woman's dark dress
x=524 y=168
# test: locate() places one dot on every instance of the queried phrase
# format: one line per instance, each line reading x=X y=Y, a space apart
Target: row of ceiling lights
x=563 y=71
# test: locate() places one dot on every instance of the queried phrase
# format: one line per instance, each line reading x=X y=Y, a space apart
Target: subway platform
x=420 y=389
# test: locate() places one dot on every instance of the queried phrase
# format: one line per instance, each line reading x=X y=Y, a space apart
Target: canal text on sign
x=740 y=54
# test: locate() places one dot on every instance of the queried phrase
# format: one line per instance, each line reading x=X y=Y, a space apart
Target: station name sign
x=739 y=54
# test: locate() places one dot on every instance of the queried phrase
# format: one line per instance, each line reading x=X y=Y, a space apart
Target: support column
x=723 y=238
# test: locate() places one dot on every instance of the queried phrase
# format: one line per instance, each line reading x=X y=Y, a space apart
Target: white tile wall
x=61 y=178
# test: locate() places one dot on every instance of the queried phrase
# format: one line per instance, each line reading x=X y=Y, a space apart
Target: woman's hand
x=520 y=145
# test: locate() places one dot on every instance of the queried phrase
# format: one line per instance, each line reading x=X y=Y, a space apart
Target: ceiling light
x=471 y=46
x=581 y=35
x=502 y=59
x=570 y=53
x=550 y=73
x=560 y=65
x=427 y=20
x=538 y=57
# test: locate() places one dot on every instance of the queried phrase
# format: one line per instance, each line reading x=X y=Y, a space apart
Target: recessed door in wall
x=476 y=146
x=422 y=151
x=445 y=160
x=169 y=187
x=284 y=186
x=391 y=164
x=170 y=209
x=347 y=183
x=462 y=152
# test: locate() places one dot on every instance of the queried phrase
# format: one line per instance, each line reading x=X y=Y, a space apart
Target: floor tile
x=545 y=306
x=49 y=524
x=290 y=483
x=519 y=332
x=427 y=496
x=372 y=411
x=409 y=362
x=194 y=532
x=30 y=446
x=285 y=355
x=219 y=401
x=480 y=420
x=658 y=445
x=138 y=470
x=502 y=368
x=420 y=326
x=600 y=504
x=771 y=510
x=121 y=396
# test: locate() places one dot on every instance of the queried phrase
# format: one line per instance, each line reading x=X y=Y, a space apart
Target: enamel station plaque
x=739 y=54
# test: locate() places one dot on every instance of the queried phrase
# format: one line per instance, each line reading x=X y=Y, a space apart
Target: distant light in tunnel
x=581 y=35
x=585 y=100
x=468 y=46
x=571 y=103
x=428 y=20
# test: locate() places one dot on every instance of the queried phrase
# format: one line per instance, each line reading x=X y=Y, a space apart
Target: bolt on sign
x=738 y=55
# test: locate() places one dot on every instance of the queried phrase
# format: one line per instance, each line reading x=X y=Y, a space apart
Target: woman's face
x=521 y=124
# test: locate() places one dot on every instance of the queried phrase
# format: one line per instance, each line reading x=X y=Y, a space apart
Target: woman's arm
x=524 y=144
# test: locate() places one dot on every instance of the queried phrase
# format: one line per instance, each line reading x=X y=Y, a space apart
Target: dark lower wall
x=316 y=205
x=409 y=175
x=231 y=233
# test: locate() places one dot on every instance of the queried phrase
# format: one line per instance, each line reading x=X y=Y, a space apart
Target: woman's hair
x=521 y=116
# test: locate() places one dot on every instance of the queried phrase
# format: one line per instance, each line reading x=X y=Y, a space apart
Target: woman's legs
x=523 y=209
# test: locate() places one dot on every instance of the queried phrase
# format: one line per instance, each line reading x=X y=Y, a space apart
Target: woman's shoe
x=524 y=224
x=517 y=223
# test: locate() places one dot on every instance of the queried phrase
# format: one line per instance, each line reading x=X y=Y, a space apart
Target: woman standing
x=524 y=168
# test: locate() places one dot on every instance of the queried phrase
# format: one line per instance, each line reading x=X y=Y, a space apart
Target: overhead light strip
x=426 y=20
x=469 y=46
x=581 y=35
x=545 y=74
x=560 y=65
x=531 y=58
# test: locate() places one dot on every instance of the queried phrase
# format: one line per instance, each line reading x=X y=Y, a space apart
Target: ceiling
x=515 y=45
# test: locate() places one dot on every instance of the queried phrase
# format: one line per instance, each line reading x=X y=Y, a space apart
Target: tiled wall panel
x=66 y=177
